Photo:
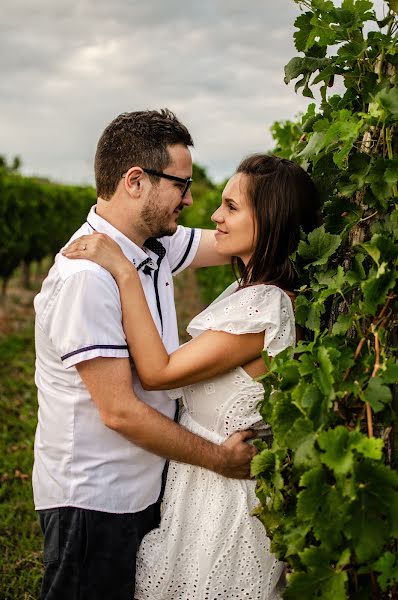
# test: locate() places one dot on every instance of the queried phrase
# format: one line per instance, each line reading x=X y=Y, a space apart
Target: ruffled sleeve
x=251 y=310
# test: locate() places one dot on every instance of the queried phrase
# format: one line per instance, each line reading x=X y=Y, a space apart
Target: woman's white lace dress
x=208 y=547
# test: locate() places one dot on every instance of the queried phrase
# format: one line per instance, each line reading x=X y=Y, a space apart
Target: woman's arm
x=211 y=353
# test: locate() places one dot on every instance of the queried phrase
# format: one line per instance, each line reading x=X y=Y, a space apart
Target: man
x=100 y=436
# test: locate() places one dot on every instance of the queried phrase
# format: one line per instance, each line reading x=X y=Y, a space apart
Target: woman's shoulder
x=258 y=288
x=244 y=309
x=268 y=291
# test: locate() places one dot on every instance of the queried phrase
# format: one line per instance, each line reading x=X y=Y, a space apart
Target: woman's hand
x=101 y=249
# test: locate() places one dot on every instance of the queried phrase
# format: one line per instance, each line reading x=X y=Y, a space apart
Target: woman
x=208 y=545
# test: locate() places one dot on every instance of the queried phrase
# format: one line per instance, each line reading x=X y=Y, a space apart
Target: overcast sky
x=68 y=68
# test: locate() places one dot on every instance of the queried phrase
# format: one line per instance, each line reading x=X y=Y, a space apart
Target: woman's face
x=235 y=232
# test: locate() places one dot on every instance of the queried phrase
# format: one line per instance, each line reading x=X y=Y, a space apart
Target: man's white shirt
x=78 y=460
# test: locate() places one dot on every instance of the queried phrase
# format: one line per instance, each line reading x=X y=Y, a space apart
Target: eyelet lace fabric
x=251 y=310
x=208 y=546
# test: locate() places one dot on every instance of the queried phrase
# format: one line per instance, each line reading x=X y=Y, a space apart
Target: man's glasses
x=185 y=181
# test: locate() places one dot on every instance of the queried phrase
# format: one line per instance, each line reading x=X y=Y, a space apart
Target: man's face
x=164 y=202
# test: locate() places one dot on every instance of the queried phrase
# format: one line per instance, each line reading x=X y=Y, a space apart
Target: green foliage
x=328 y=487
x=36 y=218
x=207 y=198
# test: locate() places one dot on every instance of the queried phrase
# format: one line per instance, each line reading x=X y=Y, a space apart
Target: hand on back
x=237 y=455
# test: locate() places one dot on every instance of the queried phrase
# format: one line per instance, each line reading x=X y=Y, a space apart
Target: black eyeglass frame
x=186 y=181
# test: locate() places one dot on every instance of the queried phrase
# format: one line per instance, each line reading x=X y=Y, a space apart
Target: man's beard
x=157 y=219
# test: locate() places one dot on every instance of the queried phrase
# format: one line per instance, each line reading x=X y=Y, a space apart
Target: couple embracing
x=109 y=372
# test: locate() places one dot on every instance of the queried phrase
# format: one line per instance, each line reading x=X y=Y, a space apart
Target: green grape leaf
x=306 y=454
x=390 y=375
x=381 y=245
x=320 y=245
x=368 y=447
x=324 y=375
x=310 y=500
x=375 y=289
x=301 y=429
x=338 y=445
x=391 y=172
x=388 y=99
x=303 y=66
x=302 y=307
x=284 y=415
x=366 y=529
x=342 y=324
x=387 y=566
x=301 y=37
x=357 y=272
x=337 y=455
x=263 y=462
x=377 y=394
x=315 y=312
x=315 y=557
x=333 y=280
x=314 y=146
x=295 y=534
x=322 y=583
x=315 y=404
x=352 y=50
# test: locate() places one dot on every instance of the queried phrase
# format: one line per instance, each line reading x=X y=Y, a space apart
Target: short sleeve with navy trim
x=181 y=248
x=84 y=320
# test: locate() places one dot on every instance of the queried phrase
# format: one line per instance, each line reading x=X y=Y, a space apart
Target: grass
x=20 y=536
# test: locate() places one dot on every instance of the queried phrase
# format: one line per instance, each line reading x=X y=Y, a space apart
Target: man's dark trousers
x=91 y=555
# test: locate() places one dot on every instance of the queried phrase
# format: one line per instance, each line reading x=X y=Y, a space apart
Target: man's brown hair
x=137 y=138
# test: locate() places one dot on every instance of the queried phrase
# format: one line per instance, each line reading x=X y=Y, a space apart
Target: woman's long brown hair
x=284 y=199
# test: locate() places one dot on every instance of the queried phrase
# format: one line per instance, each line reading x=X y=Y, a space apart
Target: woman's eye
x=231 y=207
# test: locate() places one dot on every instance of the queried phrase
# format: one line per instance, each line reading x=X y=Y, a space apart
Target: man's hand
x=236 y=455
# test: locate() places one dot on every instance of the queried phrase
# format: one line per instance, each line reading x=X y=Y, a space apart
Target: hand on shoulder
x=101 y=249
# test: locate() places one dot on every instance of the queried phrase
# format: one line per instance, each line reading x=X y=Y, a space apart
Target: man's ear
x=135 y=181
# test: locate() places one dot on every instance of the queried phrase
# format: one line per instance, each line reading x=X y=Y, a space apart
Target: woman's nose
x=216 y=216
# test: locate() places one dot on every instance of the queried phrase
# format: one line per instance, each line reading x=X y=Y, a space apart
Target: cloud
x=69 y=68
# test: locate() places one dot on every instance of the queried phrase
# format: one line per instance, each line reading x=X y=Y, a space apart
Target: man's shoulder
x=69 y=279
x=67 y=268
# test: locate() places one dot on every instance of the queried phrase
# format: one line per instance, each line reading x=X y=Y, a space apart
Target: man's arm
x=110 y=384
x=207 y=255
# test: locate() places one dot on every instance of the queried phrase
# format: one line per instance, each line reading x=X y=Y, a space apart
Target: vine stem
x=369 y=420
x=377 y=349
x=389 y=143
x=357 y=353
x=376 y=367
x=368 y=217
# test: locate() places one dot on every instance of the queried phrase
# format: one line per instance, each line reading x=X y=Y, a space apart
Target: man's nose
x=187 y=200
